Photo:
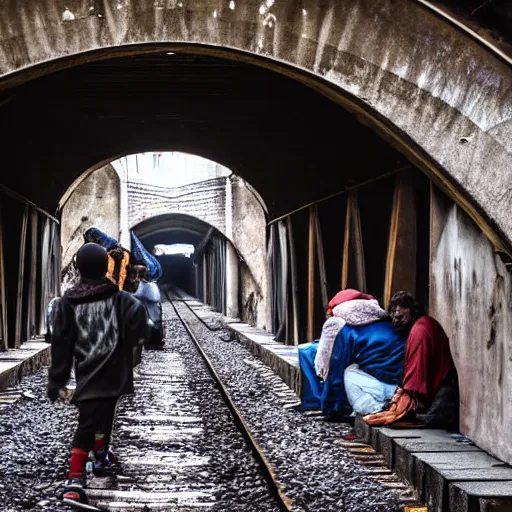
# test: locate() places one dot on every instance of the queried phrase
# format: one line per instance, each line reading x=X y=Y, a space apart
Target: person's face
x=401 y=317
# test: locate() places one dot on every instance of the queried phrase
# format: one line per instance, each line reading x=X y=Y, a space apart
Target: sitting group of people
x=392 y=367
x=130 y=272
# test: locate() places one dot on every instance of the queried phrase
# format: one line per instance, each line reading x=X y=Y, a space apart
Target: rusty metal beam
x=21 y=273
x=295 y=289
x=311 y=275
x=3 y=294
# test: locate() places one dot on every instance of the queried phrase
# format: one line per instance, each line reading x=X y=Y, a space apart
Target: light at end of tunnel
x=215 y=13
x=232 y=5
x=170 y=53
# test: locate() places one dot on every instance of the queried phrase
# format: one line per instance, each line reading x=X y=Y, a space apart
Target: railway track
x=274 y=486
x=269 y=437
x=182 y=443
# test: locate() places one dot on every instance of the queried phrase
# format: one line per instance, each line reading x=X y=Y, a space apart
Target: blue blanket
x=95 y=235
x=378 y=350
x=141 y=256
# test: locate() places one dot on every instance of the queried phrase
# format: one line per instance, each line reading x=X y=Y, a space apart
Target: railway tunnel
x=377 y=134
x=210 y=272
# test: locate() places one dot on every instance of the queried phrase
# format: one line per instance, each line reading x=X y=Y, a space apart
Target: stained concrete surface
x=470 y=294
x=429 y=80
x=94 y=202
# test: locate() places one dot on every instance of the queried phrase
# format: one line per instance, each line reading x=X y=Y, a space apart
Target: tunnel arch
x=170 y=228
x=412 y=76
x=211 y=272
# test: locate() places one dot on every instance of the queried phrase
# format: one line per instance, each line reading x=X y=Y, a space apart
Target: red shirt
x=427 y=359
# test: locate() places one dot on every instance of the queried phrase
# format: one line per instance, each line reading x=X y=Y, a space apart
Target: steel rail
x=181 y=299
x=268 y=471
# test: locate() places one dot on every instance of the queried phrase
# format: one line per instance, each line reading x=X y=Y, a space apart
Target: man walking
x=98 y=328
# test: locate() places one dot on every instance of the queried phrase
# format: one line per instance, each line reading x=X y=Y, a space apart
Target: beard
x=404 y=329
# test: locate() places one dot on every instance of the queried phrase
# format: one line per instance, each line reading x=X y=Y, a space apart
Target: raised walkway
x=15 y=363
x=448 y=472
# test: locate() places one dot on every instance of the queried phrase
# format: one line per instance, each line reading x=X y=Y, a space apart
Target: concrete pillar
x=232 y=307
x=229 y=208
x=124 y=227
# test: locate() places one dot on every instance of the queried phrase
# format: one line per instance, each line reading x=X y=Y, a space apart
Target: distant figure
x=430 y=386
x=97 y=327
x=358 y=362
x=118 y=257
x=148 y=293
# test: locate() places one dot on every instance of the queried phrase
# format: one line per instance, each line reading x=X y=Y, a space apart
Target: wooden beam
x=283 y=287
x=357 y=244
x=34 y=253
x=390 y=260
x=311 y=276
x=295 y=289
x=21 y=272
x=401 y=257
x=271 y=272
x=346 y=247
x=321 y=259
x=353 y=273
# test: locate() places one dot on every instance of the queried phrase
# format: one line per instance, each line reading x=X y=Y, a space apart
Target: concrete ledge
x=16 y=363
x=282 y=359
x=446 y=473
x=481 y=496
x=449 y=473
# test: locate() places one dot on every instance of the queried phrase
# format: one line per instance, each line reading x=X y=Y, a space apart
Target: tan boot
x=401 y=403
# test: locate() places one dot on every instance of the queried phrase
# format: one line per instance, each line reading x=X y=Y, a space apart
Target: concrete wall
x=205 y=200
x=229 y=205
x=471 y=296
x=445 y=98
x=249 y=236
x=95 y=202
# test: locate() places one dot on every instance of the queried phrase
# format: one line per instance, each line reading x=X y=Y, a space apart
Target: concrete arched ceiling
x=171 y=229
x=441 y=97
x=290 y=143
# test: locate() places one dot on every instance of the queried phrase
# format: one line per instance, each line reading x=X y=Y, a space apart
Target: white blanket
x=352 y=312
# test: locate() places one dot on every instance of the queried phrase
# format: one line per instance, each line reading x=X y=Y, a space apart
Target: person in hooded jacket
x=358 y=361
x=148 y=293
x=98 y=328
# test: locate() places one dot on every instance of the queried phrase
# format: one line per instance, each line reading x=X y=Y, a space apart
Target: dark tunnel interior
x=169 y=229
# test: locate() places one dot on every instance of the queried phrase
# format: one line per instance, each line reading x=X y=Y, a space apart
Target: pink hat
x=345 y=296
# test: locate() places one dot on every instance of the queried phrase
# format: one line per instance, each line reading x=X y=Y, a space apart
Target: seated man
x=149 y=294
x=365 y=337
x=430 y=385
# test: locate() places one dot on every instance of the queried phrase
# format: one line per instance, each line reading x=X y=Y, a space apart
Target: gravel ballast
x=315 y=472
x=179 y=449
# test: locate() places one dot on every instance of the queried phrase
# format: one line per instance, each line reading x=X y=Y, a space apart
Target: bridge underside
x=274 y=132
x=290 y=96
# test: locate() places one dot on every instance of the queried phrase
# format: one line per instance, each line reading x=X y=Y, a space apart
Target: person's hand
x=53 y=394
x=323 y=373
